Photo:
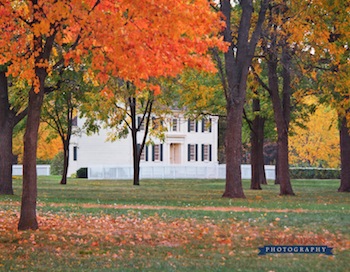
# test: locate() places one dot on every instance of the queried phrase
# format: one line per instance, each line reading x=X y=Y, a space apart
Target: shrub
x=82 y=173
x=314 y=173
x=57 y=164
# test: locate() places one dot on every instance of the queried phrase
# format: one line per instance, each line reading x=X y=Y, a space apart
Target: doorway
x=175 y=153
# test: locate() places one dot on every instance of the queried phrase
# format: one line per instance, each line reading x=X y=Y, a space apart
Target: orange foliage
x=132 y=40
x=71 y=233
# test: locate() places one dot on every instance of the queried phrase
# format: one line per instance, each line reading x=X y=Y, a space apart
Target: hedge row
x=82 y=173
x=314 y=173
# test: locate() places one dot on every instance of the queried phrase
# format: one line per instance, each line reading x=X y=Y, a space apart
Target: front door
x=175 y=153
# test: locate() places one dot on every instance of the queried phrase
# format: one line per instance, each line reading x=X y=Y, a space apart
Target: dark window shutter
x=146 y=150
x=161 y=152
x=202 y=152
x=210 y=122
x=196 y=152
x=203 y=125
x=188 y=125
x=189 y=152
x=196 y=125
x=152 y=152
x=75 y=153
x=209 y=152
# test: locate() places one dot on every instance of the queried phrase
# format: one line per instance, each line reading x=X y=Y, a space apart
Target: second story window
x=192 y=125
x=175 y=124
x=206 y=125
x=157 y=123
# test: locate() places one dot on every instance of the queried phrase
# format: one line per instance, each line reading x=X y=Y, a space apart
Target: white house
x=190 y=146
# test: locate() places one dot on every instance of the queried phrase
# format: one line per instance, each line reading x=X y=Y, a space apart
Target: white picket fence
x=172 y=172
x=42 y=170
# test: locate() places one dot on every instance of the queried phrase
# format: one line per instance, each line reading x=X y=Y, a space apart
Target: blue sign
x=295 y=250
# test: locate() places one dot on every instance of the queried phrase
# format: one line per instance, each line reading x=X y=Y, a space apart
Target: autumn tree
x=325 y=25
x=121 y=110
x=133 y=41
x=237 y=62
x=257 y=127
x=37 y=25
x=11 y=113
x=161 y=41
x=315 y=145
x=59 y=110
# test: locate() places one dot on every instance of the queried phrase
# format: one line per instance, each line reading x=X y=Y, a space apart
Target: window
x=144 y=154
x=157 y=123
x=206 y=152
x=206 y=125
x=140 y=125
x=192 y=125
x=192 y=152
x=157 y=152
x=175 y=124
x=75 y=153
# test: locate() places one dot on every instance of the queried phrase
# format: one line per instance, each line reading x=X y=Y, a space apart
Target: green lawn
x=174 y=225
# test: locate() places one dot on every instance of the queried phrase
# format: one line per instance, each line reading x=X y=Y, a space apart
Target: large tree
x=134 y=41
x=326 y=59
x=10 y=115
x=237 y=62
x=37 y=26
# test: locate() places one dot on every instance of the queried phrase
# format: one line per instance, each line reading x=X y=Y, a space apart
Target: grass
x=166 y=225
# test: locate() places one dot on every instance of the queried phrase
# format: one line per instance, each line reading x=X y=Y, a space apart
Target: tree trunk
x=135 y=149
x=29 y=195
x=281 y=113
x=345 y=157
x=277 y=177
x=238 y=59
x=233 y=149
x=257 y=149
x=65 y=162
x=6 y=159
x=41 y=51
x=6 y=129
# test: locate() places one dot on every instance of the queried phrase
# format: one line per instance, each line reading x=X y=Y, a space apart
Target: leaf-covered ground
x=92 y=236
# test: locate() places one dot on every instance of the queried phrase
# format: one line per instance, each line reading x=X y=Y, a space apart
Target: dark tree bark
x=43 y=48
x=281 y=109
x=344 y=156
x=237 y=61
x=277 y=177
x=135 y=128
x=9 y=118
x=6 y=129
x=65 y=161
x=257 y=149
x=135 y=149
x=29 y=195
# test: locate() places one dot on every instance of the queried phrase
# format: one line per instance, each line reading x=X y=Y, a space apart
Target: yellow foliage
x=46 y=149
x=318 y=144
